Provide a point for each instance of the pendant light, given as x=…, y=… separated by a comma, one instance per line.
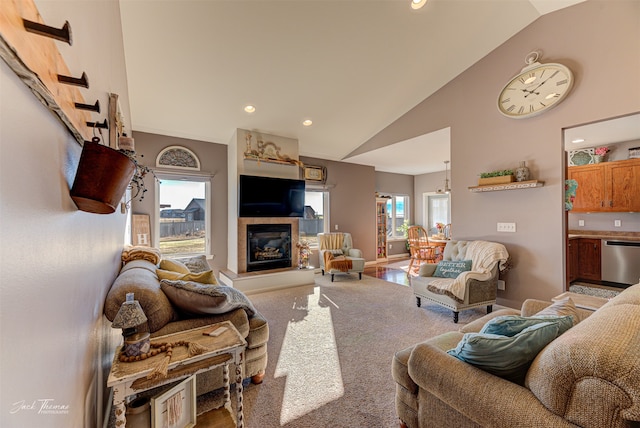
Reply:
x=446, y=189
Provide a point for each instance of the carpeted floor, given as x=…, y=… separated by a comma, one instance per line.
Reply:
x=330, y=352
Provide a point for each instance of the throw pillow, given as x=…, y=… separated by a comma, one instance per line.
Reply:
x=173, y=265
x=335, y=252
x=510, y=325
x=561, y=307
x=196, y=264
x=452, y=268
x=202, y=299
x=205, y=277
x=504, y=356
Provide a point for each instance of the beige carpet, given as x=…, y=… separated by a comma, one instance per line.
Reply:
x=330, y=352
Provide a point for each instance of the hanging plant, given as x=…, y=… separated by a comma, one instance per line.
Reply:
x=138, y=187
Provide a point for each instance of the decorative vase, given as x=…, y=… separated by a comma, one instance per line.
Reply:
x=522, y=172
x=598, y=158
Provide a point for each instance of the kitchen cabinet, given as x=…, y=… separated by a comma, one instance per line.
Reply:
x=381, y=229
x=607, y=186
x=572, y=260
x=589, y=259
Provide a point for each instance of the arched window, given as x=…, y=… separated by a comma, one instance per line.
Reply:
x=178, y=157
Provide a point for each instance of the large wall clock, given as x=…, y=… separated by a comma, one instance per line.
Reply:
x=536, y=89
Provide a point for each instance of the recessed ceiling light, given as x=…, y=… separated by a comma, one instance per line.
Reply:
x=417, y=4
x=249, y=108
x=307, y=122
x=578, y=140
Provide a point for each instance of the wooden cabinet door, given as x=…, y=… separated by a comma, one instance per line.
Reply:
x=589, y=262
x=572, y=260
x=590, y=194
x=623, y=178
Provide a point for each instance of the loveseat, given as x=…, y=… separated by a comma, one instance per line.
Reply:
x=140, y=277
x=589, y=376
x=469, y=277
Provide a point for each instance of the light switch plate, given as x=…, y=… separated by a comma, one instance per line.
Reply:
x=617, y=223
x=580, y=222
x=506, y=227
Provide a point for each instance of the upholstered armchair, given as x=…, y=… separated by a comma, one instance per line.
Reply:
x=337, y=254
x=467, y=276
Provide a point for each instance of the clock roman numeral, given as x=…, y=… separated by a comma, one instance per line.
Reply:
x=562, y=82
x=531, y=108
x=506, y=100
x=521, y=110
x=510, y=109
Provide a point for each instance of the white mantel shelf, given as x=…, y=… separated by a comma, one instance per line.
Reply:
x=530, y=184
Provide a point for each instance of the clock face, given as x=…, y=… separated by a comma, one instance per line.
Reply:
x=536, y=89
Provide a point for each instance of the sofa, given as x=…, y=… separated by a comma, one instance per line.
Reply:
x=458, y=288
x=589, y=376
x=140, y=277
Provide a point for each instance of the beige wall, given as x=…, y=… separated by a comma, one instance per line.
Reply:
x=57, y=262
x=600, y=42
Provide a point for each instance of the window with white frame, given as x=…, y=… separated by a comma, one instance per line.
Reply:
x=397, y=213
x=183, y=216
x=316, y=216
x=437, y=212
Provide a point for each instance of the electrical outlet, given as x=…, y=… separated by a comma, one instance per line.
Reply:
x=336, y=227
x=617, y=223
x=501, y=285
x=390, y=246
x=580, y=222
x=506, y=227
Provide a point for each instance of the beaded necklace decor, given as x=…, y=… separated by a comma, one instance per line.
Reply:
x=161, y=368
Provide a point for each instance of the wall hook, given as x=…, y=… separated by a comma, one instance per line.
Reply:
x=89, y=107
x=63, y=34
x=103, y=125
x=82, y=81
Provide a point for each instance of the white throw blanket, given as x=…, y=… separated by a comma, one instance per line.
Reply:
x=484, y=255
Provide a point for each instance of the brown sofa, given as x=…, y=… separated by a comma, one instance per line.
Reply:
x=589, y=376
x=139, y=277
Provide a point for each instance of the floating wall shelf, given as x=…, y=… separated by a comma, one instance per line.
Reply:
x=530, y=184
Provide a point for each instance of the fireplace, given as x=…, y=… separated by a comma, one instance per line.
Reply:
x=268, y=246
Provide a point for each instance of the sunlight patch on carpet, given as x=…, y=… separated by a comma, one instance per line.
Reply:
x=309, y=361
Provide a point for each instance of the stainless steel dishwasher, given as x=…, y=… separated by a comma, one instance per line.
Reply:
x=620, y=261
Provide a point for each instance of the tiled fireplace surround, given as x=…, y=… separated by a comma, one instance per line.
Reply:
x=242, y=238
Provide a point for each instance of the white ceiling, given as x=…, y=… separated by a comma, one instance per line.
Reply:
x=352, y=66
x=618, y=130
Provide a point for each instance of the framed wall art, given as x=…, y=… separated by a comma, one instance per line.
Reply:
x=176, y=407
x=315, y=173
x=580, y=157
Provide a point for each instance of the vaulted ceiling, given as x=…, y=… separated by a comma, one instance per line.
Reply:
x=351, y=66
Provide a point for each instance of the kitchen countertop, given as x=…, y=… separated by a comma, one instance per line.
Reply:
x=602, y=234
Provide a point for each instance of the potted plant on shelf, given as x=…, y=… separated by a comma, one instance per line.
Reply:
x=496, y=177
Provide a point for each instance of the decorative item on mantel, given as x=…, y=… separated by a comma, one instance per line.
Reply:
x=522, y=172
x=599, y=153
x=267, y=152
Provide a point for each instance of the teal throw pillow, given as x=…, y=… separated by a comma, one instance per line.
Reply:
x=452, y=268
x=510, y=325
x=504, y=356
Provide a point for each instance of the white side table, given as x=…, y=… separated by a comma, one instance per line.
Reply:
x=128, y=378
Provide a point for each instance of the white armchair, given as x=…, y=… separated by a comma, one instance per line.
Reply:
x=340, y=248
x=469, y=289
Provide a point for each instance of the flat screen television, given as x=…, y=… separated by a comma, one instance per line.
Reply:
x=270, y=197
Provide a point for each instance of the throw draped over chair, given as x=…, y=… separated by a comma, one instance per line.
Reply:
x=419, y=248
x=337, y=254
